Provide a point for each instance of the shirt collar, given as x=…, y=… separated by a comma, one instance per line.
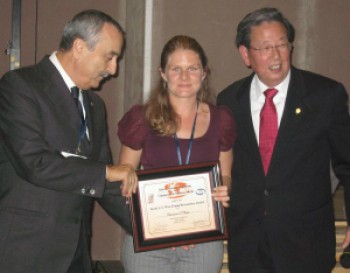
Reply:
x=258, y=87
x=68, y=81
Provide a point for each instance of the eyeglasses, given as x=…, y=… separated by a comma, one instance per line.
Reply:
x=267, y=50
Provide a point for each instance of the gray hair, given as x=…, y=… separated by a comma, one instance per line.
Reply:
x=87, y=26
x=258, y=17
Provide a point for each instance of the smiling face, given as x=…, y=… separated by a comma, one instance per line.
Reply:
x=183, y=74
x=102, y=61
x=271, y=67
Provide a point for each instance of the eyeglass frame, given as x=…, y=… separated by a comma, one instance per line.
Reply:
x=267, y=50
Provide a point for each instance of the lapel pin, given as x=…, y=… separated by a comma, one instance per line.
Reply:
x=297, y=111
x=91, y=103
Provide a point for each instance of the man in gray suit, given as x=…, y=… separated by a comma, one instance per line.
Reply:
x=54, y=153
x=281, y=212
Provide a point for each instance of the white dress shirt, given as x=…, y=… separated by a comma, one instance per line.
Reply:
x=257, y=100
x=68, y=81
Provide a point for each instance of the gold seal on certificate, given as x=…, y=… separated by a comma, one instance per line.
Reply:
x=174, y=206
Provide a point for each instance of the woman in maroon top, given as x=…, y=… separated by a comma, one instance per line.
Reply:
x=178, y=125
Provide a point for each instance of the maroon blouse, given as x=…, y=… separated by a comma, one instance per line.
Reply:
x=160, y=151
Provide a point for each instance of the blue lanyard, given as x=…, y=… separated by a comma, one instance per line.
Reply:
x=178, y=151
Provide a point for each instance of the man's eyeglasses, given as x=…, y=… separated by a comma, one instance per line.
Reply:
x=267, y=50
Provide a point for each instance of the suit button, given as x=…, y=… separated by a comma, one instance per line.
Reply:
x=266, y=193
x=83, y=190
x=92, y=191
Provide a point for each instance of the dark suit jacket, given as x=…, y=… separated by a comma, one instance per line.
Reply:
x=293, y=202
x=45, y=198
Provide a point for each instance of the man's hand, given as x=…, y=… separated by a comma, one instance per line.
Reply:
x=124, y=173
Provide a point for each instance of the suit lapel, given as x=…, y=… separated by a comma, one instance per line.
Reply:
x=243, y=114
x=60, y=96
x=292, y=114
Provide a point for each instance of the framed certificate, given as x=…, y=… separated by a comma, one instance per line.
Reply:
x=174, y=206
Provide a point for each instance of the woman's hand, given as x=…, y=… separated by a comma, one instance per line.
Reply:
x=222, y=194
x=186, y=247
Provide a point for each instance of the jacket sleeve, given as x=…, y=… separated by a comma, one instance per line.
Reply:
x=339, y=138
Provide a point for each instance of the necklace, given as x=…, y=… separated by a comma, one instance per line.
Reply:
x=178, y=151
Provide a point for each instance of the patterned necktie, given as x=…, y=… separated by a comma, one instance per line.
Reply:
x=268, y=128
x=84, y=146
x=75, y=94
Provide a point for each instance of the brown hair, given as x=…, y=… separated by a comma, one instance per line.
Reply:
x=159, y=113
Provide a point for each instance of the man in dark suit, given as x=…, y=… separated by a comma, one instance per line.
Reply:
x=281, y=212
x=54, y=153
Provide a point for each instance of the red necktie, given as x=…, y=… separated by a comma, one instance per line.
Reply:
x=268, y=128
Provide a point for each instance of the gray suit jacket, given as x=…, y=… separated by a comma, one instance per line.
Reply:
x=294, y=200
x=46, y=199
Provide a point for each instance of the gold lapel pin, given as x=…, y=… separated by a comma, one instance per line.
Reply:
x=297, y=111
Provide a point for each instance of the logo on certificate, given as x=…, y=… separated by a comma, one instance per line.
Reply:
x=177, y=189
